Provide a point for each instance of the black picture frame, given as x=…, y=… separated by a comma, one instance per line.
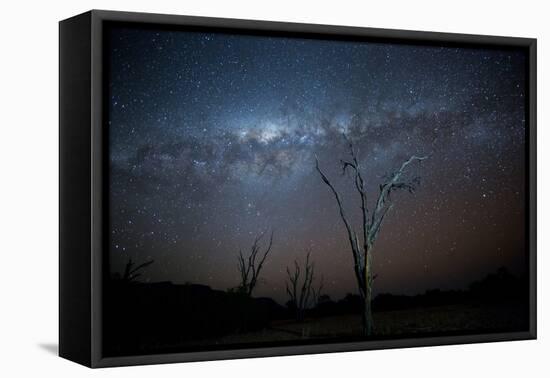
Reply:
x=84, y=165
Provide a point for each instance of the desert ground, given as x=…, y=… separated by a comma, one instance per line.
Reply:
x=420, y=322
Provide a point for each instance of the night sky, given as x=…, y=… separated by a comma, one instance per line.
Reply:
x=213, y=140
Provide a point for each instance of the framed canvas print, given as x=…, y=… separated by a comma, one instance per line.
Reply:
x=234, y=188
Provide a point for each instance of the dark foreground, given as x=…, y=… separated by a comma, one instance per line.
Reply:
x=407, y=323
x=154, y=318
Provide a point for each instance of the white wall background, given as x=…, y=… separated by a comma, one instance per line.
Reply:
x=28, y=189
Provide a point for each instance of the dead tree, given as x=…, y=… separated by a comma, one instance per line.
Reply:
x=362, y=247
x=299, y=296
x=317, y=292
x=249, y=268
x=131, y=273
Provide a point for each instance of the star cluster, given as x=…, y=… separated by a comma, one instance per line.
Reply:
x=213, y=139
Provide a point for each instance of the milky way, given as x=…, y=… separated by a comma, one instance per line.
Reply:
x=213, y=139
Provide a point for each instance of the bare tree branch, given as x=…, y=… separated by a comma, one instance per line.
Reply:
x=300, y=295
x=370, y=225
x=131, y=273
x=316, y=293
x=382, y=203
x=248, y=268
x=352, y=236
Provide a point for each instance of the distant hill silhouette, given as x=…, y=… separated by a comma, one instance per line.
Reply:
x=136, y=314
x=500, y=287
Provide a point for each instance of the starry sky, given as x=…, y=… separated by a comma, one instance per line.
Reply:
x=213, y=138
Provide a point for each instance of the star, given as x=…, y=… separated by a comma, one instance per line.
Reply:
x=213, y=139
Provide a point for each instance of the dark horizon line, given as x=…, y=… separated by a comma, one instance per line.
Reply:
x=463, y=289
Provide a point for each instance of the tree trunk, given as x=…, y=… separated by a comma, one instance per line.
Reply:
x=362, y=258
x=367, y=316
x=367, y=305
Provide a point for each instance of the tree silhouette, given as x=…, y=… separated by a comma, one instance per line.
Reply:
x=248, y=268
x=370, y=226
x=131, y=273
x=299, y=296
x=317, y=293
